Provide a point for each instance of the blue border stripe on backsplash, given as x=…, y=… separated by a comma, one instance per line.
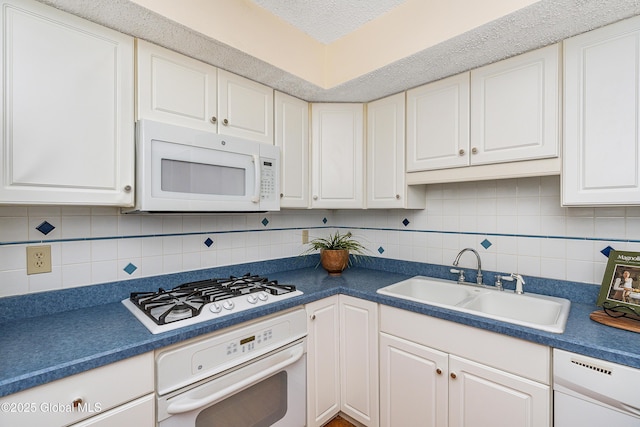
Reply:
x=196, y=233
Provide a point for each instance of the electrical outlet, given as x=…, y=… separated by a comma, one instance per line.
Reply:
x=305, y=236
x=38, y=259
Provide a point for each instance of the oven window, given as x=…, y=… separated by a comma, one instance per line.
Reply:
x=260, y=405
x=199, y=178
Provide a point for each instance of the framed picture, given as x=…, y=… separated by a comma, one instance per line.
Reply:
x=620, y=290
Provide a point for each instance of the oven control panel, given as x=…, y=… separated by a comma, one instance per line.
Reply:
x=249, y=343
x=185, y=363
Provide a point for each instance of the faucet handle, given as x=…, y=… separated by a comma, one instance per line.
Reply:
x=460, y=273
x=519, y=281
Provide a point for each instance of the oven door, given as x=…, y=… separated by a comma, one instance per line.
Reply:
x=269, y=391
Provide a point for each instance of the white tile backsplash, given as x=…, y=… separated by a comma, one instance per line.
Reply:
x=528, y=230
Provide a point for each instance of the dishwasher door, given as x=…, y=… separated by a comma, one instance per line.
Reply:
x=592, y=392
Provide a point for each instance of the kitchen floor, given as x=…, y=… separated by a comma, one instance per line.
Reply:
x=339, y=422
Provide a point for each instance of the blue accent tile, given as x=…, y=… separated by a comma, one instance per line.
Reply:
x=486, y=244
x=406, y=222
x=325, y=220
x=130, y=268
x=380, y=250
x=265, y=221
x=45, y=228
x=208, y=242
x=606, y=251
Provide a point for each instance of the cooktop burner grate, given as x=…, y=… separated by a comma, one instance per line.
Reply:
x=187, y=300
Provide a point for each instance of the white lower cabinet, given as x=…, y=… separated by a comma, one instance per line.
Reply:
x=117, y=394
x=342, y=362
x=439, y=373
x=413, y=384
x=323, y=361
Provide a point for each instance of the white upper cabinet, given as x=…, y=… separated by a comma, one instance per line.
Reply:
x=438, y=124
x=67, y=115
x=245, y=108
x=601, y=159
x=386, y=187
x=515, y=108
x=173, y=88
x=292, y=136
x=337, y=159
x=176, y=89
x=498, y=121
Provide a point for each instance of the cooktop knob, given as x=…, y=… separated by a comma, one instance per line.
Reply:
x=215, y=308
x=228, y=304
x=263, y=296
x=252, y=299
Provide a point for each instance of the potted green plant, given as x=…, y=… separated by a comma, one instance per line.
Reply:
x=335, y=251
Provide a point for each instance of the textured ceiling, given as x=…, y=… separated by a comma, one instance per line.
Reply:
x=328, y=20
x=541, y=24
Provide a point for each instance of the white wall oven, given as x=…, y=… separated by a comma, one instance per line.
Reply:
x=253, y=375
x=180, y=169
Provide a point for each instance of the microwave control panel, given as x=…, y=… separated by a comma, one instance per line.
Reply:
x=268, y=186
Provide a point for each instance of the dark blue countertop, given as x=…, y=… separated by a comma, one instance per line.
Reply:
x=36, y=349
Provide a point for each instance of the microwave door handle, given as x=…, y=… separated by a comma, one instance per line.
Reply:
x=256, y=187
x=187, y=405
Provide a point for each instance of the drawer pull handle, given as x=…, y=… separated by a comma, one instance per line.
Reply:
x=77, y=402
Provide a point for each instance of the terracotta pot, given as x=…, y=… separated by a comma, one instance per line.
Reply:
x=334, y=260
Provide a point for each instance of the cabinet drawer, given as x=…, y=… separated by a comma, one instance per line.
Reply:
x=100, y=389
x=506, y=353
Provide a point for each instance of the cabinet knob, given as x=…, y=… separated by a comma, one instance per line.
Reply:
x=397, y=197
x=76, y=402
x=281, y=195
x=225, y=122
x=127, y=188
x=461, y=152
x=315, y=197
x=439, y=371
x=453, y=375
x=214, y=119
x=313, y=317
x=474, y=150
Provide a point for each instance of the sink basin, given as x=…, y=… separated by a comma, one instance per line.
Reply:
x=531, y=310
x=432, y=291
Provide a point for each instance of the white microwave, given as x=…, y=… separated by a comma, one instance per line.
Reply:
x=180, y=169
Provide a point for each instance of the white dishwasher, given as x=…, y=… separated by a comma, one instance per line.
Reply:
x=592, y=392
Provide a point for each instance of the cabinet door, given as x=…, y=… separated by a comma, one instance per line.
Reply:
x=359, y=359
x=245, y=108
x=95, y=392
x=601, y=158
x=292, y=136
x=140, y=412
x=515, y=108
x=337, y=157
x=323, y=361
x=413, y=384
x=481, y=396
x=173, y=88
x=386, y=184
x=438, y=124
x=67, y=117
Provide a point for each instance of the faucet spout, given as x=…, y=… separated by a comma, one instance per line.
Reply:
x=479, y=273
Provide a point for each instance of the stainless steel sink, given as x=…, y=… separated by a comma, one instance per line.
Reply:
x=532, y=310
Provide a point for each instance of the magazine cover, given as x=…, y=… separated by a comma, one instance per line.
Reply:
x=620, y=290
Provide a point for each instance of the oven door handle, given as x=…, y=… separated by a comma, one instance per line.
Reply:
x=187, y=405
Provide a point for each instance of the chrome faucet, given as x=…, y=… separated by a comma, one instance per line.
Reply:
x=479, y=273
